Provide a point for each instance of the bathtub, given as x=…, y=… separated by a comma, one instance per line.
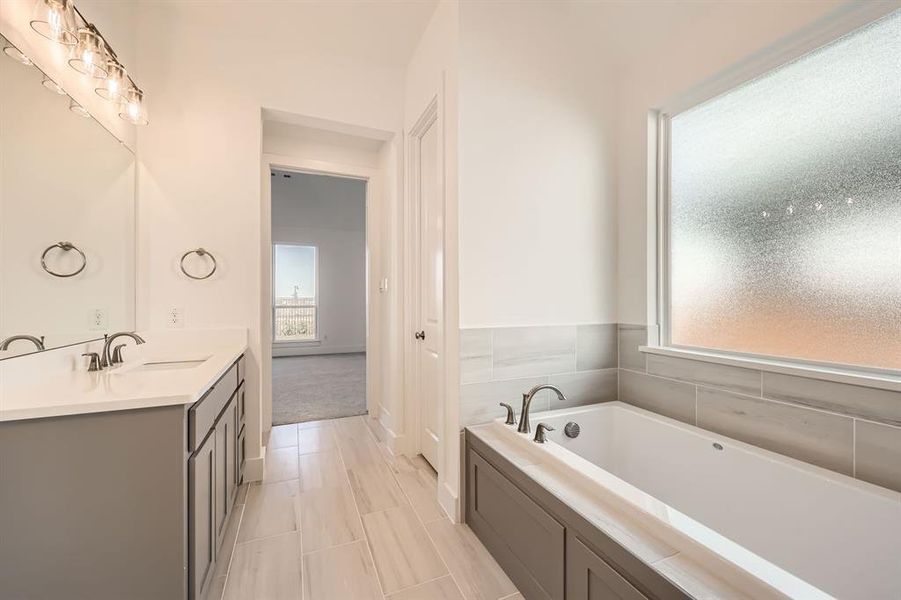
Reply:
x=808, y=532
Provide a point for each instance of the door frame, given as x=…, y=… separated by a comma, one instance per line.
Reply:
x=372, y=257
x=430, y=116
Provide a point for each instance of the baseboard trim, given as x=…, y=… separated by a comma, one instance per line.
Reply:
x=281, y=352
x=254, y=468
x=450, y=502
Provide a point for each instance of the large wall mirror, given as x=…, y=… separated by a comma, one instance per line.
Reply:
x=67, y=218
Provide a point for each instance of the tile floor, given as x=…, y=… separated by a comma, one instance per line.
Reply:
x=337, y=517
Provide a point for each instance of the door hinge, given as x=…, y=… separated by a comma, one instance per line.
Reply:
x=419, y=335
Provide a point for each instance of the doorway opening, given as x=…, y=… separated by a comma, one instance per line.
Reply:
x=318, y=296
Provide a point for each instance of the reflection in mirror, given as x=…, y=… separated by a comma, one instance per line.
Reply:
x=67, y=202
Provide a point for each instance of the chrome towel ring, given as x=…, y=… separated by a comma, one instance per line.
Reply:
x=65, y=247
x=198, y=252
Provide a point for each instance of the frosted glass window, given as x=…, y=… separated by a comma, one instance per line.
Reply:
x=785, y=209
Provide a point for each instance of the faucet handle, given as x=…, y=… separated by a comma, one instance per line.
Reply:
x=95, y=361
x=540, y=432
x=511, y=420
x=117, y=354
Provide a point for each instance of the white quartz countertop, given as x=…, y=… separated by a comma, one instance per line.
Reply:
x=75, y=391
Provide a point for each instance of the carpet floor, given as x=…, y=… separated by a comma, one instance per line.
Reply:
x=310, y=388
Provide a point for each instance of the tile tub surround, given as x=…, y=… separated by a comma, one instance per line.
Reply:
x=499, y=364
x=850, y=429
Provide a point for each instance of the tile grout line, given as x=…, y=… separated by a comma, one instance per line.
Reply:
x=353, y=494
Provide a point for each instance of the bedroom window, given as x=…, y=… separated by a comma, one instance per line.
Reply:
x=781, y=209
x=294, y=294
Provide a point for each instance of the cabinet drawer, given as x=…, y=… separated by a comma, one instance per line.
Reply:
x=240, y=364
x=526, y=541
x=589, y=577
x=203, y=414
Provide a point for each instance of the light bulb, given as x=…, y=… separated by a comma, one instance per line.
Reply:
x=78, y=109
x=818, y=206
x=16, y=54
x=55, y=20
x=790, y=210
x=115, y=84
x=133, y=108
x=89, y=56
x=53, y=86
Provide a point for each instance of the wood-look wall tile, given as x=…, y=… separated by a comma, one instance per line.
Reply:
x=443, y=588
x=340, y=572
x=474, y=569
x=403, y=554
x=810, y=435
x=596, y=347
x=629, y=338
x=735, y=379
x=475, y=355
x=328, y=517
x=854, y=400
x=878, y=454
x=271, y=509
x=533, y=351
x=268, y=568
x=670, y=398
x=479, y=401
x=584, y=387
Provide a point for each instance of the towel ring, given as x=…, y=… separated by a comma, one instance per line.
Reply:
x=198, y=252
x=65, y=247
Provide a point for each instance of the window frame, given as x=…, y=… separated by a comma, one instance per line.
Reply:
x=316, y=340
x=659, y=341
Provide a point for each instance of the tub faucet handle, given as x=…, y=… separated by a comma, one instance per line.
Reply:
x=95, y=361
x=511, y=419
x=540, y=432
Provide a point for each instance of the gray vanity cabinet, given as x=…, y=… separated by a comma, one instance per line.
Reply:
x=589, y=577
x=202, y=514
x=226, y=442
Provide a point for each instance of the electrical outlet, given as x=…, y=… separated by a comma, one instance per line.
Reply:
x=383, y=285
x=175, y=318
x=98, y=319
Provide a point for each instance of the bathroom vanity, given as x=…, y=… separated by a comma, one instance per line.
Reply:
x=124, y=486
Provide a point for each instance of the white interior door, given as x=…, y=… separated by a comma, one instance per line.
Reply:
x=430, y=293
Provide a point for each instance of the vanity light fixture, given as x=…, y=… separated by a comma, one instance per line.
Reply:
x=132, y=109
x=55, y=20
x=17, y=55
x=116, y=83
x=78, y=109
x=53, y=86
x=89, y=57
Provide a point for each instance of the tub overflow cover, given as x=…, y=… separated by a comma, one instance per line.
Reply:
x=572, y=429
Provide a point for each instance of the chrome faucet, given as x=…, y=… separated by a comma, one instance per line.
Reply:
x=527, y=400
x=39, y=342
x=105, y=360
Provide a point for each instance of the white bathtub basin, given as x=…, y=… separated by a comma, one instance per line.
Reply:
x=806, y=531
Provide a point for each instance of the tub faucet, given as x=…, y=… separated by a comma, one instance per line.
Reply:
x=527, y=400
x=105, y=360
x=38, y=342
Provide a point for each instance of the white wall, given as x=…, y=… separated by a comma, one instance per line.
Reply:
x=329, y=213
x=211, y=72
x=665, y=67
x=537, y=207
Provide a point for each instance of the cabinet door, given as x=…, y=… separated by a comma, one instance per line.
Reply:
x=231, y=453
x=223, y=432
x=525, y=540
x=589, y=577
x=242, y=456
x=201, y=515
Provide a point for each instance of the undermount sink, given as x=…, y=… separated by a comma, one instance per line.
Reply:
x=170, y=365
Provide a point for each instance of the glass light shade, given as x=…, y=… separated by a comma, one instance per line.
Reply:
x=133, y=109
x=55, y=20
x=53, y=86
x=115, y=86
x=78, y=109
x=16, y=54
x=89, y=56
